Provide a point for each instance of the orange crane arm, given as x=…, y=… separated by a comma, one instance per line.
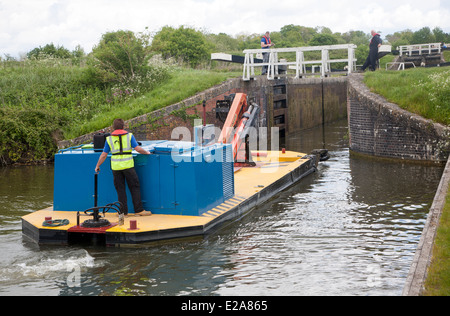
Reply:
x=238, y=107
x=235, y=129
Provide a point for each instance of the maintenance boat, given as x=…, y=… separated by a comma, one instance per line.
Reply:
x=190, y=187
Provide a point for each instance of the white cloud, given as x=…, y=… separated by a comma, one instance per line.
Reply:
x=25, y=24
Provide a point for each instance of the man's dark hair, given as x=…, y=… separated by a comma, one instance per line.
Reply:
x=118, y=124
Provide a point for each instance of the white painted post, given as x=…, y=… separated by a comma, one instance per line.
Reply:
x=252, y=65
x=275, y=58
x=246, y=74
x=299, y=63
x=325, y=58
x=270, y=68
x=350, y=56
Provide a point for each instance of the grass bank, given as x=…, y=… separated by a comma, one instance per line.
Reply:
x=438, y=279
x=424, y=91
x=43, y=101
x=182, y=84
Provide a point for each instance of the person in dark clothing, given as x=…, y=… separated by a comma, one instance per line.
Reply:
x=371, y=60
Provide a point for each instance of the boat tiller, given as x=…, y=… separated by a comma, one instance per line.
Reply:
x=97, y=220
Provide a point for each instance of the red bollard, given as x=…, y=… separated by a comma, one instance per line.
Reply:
x=133, y=225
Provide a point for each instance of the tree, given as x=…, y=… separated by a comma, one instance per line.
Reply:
x=291, y=36
x=323, y=39
x=78, y=52
x=223, y=42
x=423, y=36
x=324, y=30
x=440, y=35
x=356, y=37
x=120, y=56
x=49, y=50
x=400, y=38
x=252, y=41
x=183, y=43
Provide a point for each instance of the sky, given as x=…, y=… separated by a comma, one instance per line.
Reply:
x=26, y=24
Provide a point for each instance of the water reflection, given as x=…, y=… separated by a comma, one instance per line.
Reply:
x=337, y=233
x=18, y=184
x=349, y=229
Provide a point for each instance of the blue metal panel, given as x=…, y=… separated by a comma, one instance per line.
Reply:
x=209, y=179
x=74, y=182
x=147, y=168
x=167, y=184
x=228, y=173
x=185, y=187
x=186, y=181
x=173, y=147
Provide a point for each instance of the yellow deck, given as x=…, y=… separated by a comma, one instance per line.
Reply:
x=248, y=182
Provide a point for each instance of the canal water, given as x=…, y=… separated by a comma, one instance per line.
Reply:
x=349, y=229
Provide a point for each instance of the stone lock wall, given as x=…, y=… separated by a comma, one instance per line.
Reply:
x=380, y=128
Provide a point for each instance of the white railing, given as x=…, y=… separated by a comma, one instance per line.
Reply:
x=401, y=64
x=420, y=49
x=299, y=65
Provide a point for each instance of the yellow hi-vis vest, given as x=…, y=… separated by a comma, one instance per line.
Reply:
x=121, y=151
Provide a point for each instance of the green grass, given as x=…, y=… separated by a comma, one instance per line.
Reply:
x=387, y=59
x=182, y=84
x=438, y=280
x=424, y=91
x=44, y=101
x=447, y=55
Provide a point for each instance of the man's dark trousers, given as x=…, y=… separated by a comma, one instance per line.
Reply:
x=373, y=53
x=371, y=60
x=132, y=180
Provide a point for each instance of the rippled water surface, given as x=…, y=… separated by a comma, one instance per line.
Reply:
x=349, y=229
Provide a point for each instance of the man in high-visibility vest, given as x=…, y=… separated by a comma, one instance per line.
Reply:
x=121, y=144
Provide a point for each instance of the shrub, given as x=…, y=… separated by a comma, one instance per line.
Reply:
x=183, y=43
x=120, y=57
x=28, y=135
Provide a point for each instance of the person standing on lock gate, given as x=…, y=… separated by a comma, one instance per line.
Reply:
x=371, y=60
x=266, y=43
x=121, y=144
